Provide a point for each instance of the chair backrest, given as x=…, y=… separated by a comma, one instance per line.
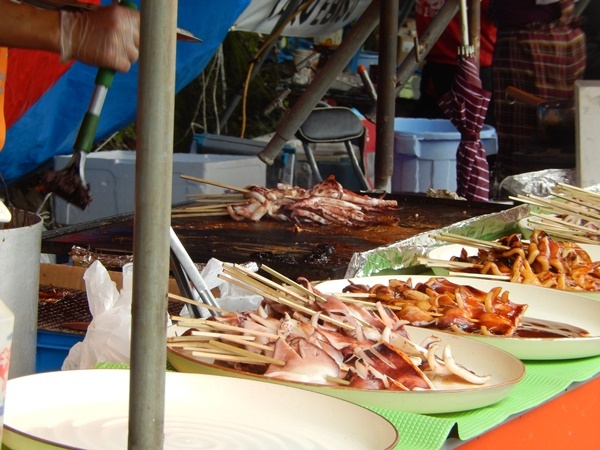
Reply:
x=331, y=124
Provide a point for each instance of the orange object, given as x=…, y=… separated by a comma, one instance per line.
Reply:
x=567, y=421
x=3, y=64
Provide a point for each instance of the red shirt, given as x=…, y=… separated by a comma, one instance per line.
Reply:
x=445, y=49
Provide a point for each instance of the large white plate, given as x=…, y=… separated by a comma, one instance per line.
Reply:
x=446, y=252
x=89, y=409
x=505, y=370
x=543, y=304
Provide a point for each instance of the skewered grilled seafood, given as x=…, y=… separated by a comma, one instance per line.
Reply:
x=326, y=203
x=542, y=261
x=361, y=348
x=442, y=304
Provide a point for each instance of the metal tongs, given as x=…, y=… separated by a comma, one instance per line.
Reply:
x=188, y=278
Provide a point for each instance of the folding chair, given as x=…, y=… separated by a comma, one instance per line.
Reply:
x=332, y=125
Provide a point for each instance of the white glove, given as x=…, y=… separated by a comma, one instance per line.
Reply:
x=105, y=37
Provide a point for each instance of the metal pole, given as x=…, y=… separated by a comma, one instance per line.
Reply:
x=296, y=116
x=386, y=95
x=152, y=220
x=474, y=13
x=426, y=41
x=421, y=48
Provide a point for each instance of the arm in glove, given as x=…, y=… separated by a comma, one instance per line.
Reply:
x=105, y=37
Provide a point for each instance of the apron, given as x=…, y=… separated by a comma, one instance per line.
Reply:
x=544, y=59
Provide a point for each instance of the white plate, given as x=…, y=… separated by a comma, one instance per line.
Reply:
x=446, y=252
x=505, y=370
x=543, y=304
x=89, y=409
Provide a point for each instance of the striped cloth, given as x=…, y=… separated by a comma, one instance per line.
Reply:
x=466, y=105
x=543, y=59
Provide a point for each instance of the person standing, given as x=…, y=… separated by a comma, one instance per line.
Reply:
x=541, y=49
x=440, y=65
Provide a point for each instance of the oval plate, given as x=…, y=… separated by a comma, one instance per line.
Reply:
x=505, y=370
x=543, y=303
x=89, y=409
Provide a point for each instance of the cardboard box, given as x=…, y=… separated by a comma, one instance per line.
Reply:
x=71, y=277
x=53, y=347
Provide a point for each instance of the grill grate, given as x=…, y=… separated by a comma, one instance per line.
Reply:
x=59, y=306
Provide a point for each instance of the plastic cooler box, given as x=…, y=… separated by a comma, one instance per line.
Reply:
x=52, y=348
x=111, y=176
x=425, y=153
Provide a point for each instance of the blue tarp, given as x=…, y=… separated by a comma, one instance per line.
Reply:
x=50, y=126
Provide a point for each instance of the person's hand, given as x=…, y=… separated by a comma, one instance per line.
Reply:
x=106, y=37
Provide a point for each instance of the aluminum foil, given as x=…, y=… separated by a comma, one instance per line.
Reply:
x=538, y=183
x=404, y=254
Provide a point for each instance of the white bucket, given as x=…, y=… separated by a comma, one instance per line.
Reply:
x=7, y=324
x=20, y=252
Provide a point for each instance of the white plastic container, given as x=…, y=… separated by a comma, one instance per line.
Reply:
x=111, y=176
x=20, y=252
x=7, y=324
x=425, y=153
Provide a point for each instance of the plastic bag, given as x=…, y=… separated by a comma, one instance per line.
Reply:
x=231, y=297
x=108, y=338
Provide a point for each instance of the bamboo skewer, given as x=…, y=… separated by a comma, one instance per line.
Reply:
x=561, y=223
x=181, y=299
x=274, y=286
x=241, y=352
x=445, y=264
x=578, y=192
x=344, y=295
x=479, y=243
x=573, y=237
x=480, y=275
x=197, y=335
x=370, y=305
x=267, y=292
x=194, y=323
x=200, y=214
x=559, y=207
x=292, y=283
x=229, y=357
x=208, y=198
x=584, y=203
x=222, y=206
x=214, y=353
x=296, y=306
x=214, y=183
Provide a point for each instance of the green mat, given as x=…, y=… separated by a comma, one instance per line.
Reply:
x=543, y=381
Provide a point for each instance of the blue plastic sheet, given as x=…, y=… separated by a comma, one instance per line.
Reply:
x=50, y=126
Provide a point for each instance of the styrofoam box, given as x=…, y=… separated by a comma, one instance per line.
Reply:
x=425, y=153
x=111, y=176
